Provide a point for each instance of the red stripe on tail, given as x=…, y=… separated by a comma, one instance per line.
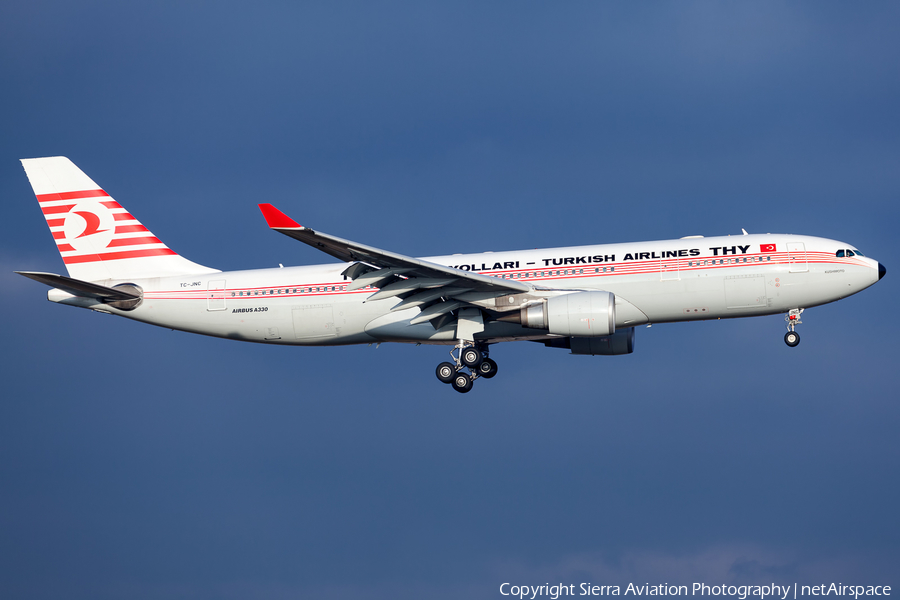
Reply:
x=53, y=210
x=130, y=228
x=135, y=241
x=71, y=195
x=118, y=255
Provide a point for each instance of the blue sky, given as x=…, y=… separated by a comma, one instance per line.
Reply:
x=141, y=462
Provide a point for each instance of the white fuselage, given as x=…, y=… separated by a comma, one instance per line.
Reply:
x=653, y=282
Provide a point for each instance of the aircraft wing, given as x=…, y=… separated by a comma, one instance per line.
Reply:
x=418, y=282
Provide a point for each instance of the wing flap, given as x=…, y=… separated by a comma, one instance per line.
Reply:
x=427, y=296
x=435, y=310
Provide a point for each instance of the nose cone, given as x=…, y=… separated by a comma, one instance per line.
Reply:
x=881, y=271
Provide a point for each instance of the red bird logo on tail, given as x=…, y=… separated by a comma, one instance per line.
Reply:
x=93, y=223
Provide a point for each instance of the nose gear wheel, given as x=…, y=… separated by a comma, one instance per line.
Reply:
x=792, y=338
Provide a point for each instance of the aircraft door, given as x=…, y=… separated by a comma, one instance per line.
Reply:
x=668, y=269
x=215, y=296
x=797, y=257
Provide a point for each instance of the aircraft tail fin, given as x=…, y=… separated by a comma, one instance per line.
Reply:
x=97, y=238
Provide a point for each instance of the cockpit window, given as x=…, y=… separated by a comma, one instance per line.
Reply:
x=848, y=252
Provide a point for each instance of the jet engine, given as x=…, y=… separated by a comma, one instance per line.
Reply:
x=581, y=314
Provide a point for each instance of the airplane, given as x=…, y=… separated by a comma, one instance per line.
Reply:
x=588, y=299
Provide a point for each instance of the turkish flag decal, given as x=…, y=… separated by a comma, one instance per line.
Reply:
x=767, y=247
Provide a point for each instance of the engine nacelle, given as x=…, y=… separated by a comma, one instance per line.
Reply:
x=621, y=342
x=579, y=314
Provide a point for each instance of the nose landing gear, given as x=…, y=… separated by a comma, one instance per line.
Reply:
x=792, y=338
x=472, y=357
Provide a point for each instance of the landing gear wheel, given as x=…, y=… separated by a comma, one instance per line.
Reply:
x=462, y=383
x=471, y=357
x=445, y=372
x=487, y=368
x=792, y=338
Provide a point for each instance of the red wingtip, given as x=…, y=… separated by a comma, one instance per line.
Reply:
x=277, y=219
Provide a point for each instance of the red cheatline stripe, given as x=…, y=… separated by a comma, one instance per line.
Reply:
x=52, y=210
x=130, y=228
x=71, y=195
x=118, y=255
x=65, y=248
x=123, y=217
x=56, y=222
x=111, y=204
x=135, y=241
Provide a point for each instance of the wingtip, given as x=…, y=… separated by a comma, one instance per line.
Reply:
x=277, y=219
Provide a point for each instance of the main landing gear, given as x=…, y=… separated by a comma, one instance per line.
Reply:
x=792, y=338
x=474, y=358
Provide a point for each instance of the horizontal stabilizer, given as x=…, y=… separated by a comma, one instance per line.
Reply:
x=76, y=287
